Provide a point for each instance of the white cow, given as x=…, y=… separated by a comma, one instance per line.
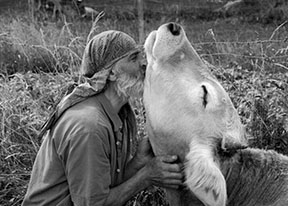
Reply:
x=190, y=114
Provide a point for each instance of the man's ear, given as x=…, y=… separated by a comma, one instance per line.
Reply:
x=112, y=76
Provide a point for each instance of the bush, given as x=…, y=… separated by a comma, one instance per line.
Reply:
x=29, y=47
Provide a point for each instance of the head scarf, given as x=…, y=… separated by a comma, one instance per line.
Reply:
x=104, y=50
x=100, y=54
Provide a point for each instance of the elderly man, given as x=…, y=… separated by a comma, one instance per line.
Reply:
x=85, y=158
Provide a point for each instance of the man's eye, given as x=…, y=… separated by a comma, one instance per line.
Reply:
x=133, y=57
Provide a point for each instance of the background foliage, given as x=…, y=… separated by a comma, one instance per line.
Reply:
x=39, y=60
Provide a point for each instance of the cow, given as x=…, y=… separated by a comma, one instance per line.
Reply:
x=188, y=113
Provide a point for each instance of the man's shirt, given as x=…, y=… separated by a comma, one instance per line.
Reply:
x=83, y=156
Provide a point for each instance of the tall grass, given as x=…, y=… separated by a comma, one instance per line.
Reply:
x=255, y=75
x=26, y=101
x=40, y=60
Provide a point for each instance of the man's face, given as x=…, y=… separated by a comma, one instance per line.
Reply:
x=133, y=64
x=130, y=75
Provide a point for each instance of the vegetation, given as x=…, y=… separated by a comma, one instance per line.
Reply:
x=40, y=60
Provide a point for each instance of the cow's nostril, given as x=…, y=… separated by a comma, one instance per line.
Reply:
x=174, y=29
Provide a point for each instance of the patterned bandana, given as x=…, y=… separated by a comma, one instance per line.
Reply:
x=105, y=49
x=100, y=54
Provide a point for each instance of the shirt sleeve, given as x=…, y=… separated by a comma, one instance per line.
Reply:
x=87, y=167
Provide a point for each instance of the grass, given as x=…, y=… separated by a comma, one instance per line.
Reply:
x=40, y=60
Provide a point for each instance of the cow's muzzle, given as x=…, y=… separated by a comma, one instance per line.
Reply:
x=174, y=28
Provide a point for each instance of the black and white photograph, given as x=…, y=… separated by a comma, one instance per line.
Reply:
x=143, y=102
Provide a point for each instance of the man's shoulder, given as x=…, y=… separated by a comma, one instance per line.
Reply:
x=89, y=108
x=88, y=114
x=86, y=121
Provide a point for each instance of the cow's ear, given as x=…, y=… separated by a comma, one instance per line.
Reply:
x=203, y=176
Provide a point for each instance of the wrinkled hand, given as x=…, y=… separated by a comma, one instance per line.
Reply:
x=144, y=152
x=164, y=172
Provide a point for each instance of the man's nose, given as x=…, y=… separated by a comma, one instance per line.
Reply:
x=144, y=63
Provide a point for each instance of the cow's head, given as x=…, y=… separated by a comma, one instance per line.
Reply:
x=171, y=55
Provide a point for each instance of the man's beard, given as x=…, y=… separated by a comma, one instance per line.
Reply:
x=128, y=86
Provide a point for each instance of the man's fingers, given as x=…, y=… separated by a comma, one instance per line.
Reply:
x=173, y=176
x=169, y=158
x=172, y=183
x=173, y=167
x=172, y=186
x=177, y=176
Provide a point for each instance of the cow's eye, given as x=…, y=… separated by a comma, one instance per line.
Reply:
x=204, y=98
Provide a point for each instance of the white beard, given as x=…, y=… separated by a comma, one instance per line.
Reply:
x=128, y=86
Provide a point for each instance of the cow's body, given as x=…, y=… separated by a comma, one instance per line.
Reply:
x=256, y=178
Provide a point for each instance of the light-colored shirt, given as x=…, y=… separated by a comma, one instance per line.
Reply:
x=82, y=156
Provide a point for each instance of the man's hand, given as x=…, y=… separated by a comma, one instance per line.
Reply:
x=144, y=152
x=143, y=155
x=164, y=172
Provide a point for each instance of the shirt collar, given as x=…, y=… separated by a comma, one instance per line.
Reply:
x=110, y=111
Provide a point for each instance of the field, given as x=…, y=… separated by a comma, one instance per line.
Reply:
x=39, y=61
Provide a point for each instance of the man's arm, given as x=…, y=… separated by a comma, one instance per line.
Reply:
x=143, y=155
x=123, y=192
x=88, y=171
x=159, y=171
x=143, y=171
